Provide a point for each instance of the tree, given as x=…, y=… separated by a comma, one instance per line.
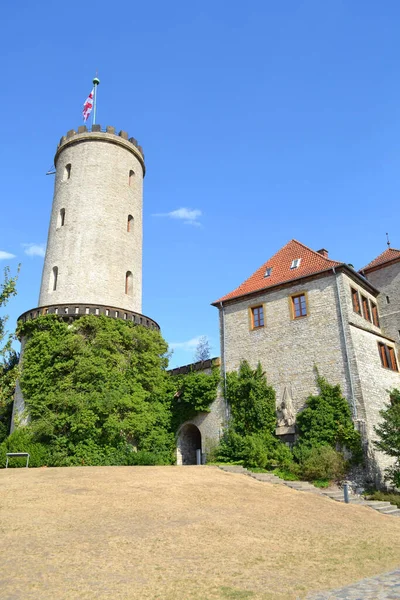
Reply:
x=8, y=289
x=8, y=357
x=203, y=350
x=388, y=432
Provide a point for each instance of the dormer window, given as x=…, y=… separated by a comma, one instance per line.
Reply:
x=268, y=272
x=295, y=263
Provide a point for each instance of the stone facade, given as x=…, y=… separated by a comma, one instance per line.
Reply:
x=342, y=344
x=204, y=431
x=387, y=279
x=89, y=244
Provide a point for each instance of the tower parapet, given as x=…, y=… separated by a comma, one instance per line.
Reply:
x=84, y=134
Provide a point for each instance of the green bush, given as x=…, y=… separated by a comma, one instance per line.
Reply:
x=326, y=420
x=22, y=440
x=231, y=447
x=262, y=450
x=145, y=458
x=289, y=474
x=393, y=497
x=322, y=462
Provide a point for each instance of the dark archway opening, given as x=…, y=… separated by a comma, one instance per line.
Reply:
x=189, y=441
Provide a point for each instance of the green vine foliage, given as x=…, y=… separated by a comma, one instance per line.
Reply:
x=96, y=390
x=326, y=420
x=250, y=437
x=251, y=400
x=191, y=394
x=388, y=432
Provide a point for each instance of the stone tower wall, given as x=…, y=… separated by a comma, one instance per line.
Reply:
x=387, y=280
x=91, y=246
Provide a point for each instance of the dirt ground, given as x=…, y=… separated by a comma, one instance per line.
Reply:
x=179, y=533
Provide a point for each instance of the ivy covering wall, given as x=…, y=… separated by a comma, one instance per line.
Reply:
x=98, y=392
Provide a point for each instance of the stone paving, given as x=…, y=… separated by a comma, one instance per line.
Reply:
x=382, y=587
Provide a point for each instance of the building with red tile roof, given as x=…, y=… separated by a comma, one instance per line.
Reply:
x=292, y=262
x=301, y=310
x=390, y=255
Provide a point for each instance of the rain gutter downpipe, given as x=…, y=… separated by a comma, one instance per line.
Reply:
x=352, y=399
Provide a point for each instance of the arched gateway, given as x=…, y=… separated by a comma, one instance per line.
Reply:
x=189, y=441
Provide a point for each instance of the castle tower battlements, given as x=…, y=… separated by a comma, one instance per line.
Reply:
x=94, y=246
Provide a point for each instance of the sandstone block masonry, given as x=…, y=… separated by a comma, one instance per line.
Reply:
x=94, y=248
x=387, y=279
x=335, y=335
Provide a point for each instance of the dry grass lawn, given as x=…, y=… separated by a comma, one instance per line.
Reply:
x=179, y=533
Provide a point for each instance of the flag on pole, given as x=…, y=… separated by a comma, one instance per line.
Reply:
x=87, y=107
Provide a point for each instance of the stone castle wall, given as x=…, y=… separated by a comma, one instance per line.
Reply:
x=210, y=424
x=342, y=344
x=287, y=348
x=387, y=280
x=93, y=249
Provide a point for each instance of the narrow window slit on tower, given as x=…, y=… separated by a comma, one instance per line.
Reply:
x=128, y=283
x=54, y=278
x=62, y=217
x=131, y=177
x=130, y=223
x=67, y=172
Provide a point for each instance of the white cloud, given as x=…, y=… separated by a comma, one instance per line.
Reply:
x=188, y=346
x=5, y=255
x=34, y=249
x=188, y=215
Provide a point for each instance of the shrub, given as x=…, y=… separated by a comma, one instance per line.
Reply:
x=322, y=462
x=261, y=450
x=21, y=440
x=145, y=458
x=231, y=446
x=326, y=421
x=393, y=497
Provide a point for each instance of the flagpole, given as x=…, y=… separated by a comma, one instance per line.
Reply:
x=96, y=82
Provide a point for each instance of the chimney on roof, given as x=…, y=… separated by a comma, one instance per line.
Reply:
x=323, y=252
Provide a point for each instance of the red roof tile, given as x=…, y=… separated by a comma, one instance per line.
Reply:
x=387, y=256
x=311, y=263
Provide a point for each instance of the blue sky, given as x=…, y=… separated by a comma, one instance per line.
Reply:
x=269, y=120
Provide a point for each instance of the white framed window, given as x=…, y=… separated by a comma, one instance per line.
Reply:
x=295, y=263
x=268, y=272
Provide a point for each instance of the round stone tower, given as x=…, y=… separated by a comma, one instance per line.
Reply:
x=94, y=247
x=93, y=262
